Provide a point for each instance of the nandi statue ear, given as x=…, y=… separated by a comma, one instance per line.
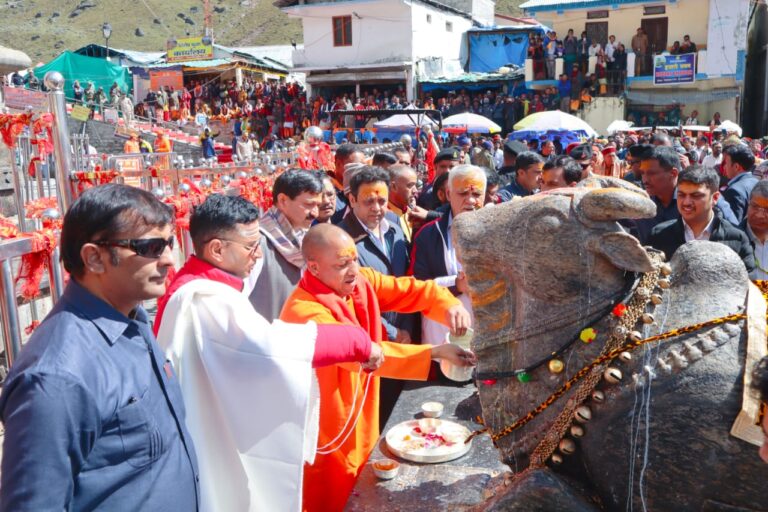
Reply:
x=623, y=251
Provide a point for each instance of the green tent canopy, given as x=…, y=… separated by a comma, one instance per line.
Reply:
x=86, y=69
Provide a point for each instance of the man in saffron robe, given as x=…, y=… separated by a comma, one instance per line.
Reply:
x=334, y=289
x=248, y=384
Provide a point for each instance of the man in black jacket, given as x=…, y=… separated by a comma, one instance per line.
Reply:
x=697, y=193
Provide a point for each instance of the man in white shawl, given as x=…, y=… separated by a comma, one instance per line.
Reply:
x=248, y=385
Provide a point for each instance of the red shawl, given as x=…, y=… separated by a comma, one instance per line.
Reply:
x=194, y=268
x=366, y=305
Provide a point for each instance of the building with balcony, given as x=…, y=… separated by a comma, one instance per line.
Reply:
x=353, y=46
x=718, y=29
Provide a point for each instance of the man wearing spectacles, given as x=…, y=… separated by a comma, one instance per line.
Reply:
x=583, y=155
x=756, y=227
x=248, y=384
x=93, y=413
x=635, y=155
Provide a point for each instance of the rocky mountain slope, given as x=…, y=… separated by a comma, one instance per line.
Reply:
x=44, y=28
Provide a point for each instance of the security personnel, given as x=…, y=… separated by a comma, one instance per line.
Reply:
x=445, y=160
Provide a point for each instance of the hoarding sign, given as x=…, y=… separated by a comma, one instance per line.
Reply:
x=674, y=69
x=190, y=48
x=81, y=113
x=19, y=98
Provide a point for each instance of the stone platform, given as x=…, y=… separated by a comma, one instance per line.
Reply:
x=455, y=485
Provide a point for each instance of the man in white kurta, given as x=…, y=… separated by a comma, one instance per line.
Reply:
x=248, y=385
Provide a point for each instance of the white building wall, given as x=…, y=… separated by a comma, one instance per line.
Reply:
x=431, y=37
x=602, y=111
x=484, y=11
x=380, y=33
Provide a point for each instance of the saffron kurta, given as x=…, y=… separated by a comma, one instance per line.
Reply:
x=329, y=481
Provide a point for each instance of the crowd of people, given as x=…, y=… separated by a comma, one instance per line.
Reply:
x=271, y=111
x=355, y=266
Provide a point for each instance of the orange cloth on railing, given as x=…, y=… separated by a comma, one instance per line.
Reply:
x=35, y=262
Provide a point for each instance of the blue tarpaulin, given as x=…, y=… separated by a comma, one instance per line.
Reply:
x=489, y=52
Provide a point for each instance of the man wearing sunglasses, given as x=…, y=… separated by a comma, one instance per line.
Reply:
x=583, y=155
x=248, y=384
x=93, y=413
x=635, y=156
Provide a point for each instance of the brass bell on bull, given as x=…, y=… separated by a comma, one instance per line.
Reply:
x=556, y=459
x=612, y=375
x=567, y=446
x=656, y=299
x=577, y=431
x=582, y=414
x=635, y=336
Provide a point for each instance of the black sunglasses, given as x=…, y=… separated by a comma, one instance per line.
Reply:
x=145, y=247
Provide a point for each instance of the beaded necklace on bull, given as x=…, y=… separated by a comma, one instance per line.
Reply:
x=622, y=340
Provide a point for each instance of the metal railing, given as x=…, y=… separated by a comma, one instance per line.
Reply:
x=60, y=175
x=9, y=304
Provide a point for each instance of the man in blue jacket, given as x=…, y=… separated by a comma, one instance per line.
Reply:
x=433, y=255
x=381, y=243
x=92, y=410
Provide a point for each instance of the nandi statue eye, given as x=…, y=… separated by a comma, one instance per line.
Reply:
x=549, y=222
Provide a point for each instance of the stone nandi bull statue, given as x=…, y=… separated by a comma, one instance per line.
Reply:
x=647, y=430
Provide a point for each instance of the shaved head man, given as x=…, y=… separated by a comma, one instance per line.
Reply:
x=331, y=256
x=336, y=290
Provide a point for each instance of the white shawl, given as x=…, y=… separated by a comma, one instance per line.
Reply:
x=250, y=394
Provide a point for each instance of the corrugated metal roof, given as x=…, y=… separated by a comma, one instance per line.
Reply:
x=255, y=58
x=476, y=77
x=141, y=57
x=552, y=5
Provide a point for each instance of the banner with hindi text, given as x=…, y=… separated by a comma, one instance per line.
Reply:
x=189, y=48
x=674, y=69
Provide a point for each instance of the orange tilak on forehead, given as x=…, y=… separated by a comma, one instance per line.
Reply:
x=469, y=182
x=646, y=165
x=349, y=251
x=760, y=201
x=369, y=190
